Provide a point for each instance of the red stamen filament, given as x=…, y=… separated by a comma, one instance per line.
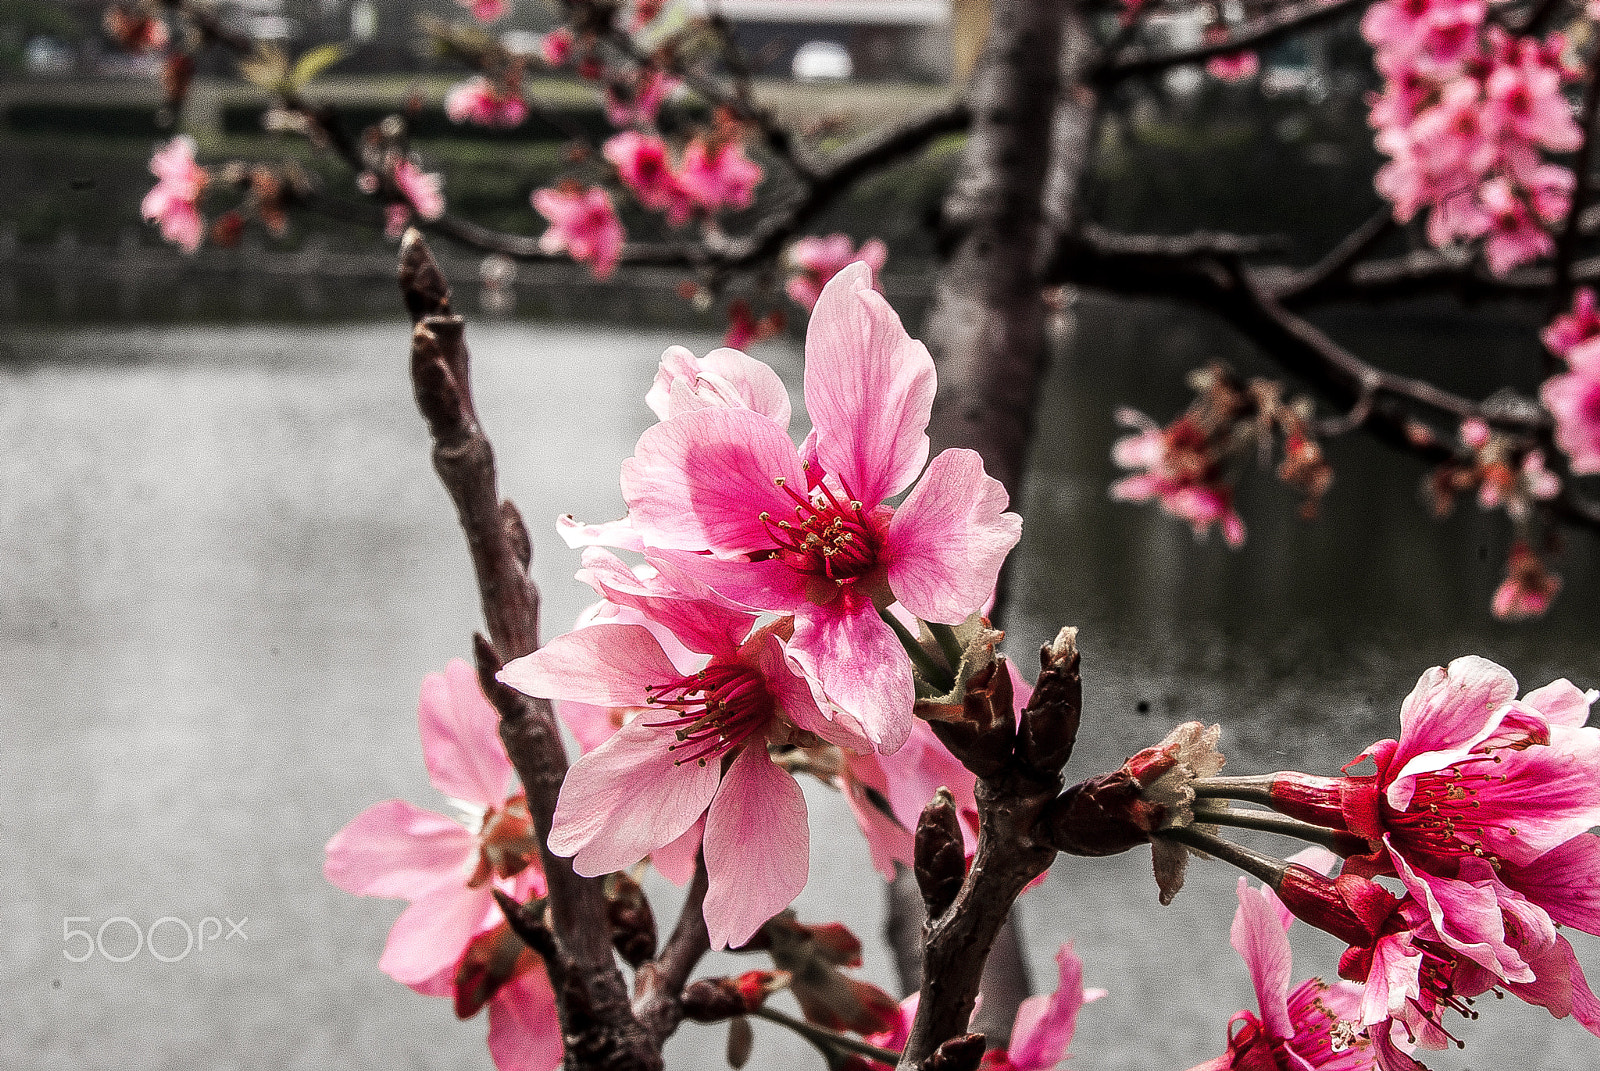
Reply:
x=1440, y=819
x=719, y=708
x=827, y=538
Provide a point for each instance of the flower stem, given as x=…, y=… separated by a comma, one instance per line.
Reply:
x=948, y=643
x=931, y=670
x=1332, y=839
x=1265, y=867
x=826, y=1039
x=1257, y=789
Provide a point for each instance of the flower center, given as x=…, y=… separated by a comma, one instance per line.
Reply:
x=718, y=708
x=506, y=843
x=1441, y=818
x=827, y=538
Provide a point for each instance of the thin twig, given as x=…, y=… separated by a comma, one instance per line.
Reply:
x=658, y=987
x=828, y=1040
x=1254, y=33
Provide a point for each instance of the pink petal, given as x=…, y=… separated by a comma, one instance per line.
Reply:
x=676, y=861
x=627, y=798
x=619, y=533
x=1565, y=881
x=757, y=846
x=888, y=842
x=1467, y=917
x=769, y=585
x=948, y=540
x=855, y=655
x=1562, y=703
x=592, y=725
x=398, y=850
x=1045, y=1024
x=796, y=702
x=433, y=932
x=461, y=737
x=1443, y=712
x=1543, y=796
x=1258, y=936
x=524, y=1033
x=605, y=665
x=700, y=481
x=869, y=389
x=686, y=611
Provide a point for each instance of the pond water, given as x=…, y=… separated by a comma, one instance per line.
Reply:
x=227, y=565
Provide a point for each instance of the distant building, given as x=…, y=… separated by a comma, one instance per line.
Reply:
x=882, y=39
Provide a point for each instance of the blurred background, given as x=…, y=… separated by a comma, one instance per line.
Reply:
x=225, y=564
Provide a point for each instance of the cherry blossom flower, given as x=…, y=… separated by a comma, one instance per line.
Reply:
x=449, y=873
x=556, y=47
x=173, y=201
x=724, y=378
x=720, y=175
x=1298, y=1029
x=1179, y=472
x=820, y=259
x=1571, y=328
x=1528, y=589
x=1045, y=1024
x=696, y=752
x=422, y=190
x=584, y=224
x=640, y=98
x=1573, y=399
x=643, y=165
x=486, y=10
x=1515, y=235
x=724, y=496
x=481, y=102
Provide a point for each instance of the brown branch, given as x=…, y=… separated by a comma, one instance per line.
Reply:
x=658, y=987
x=1339, y=261
x=1285, y=21
x=597, y=1023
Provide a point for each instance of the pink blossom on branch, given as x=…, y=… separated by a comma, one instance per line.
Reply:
x=636, y=100
x=422, y=190
x=645, y=168
x=173, y=202
x=449, y=873
x=1573, y=397
x=1178, y=472
x=696, y=752
x=1579, y=325
x=820, y=259
x=584, y=224
x=1299, y=1028
x=724, y=496
x=1528, y=589
x=487, y=10
x=1231, y=66
x=482, y=103
x=556, y=47
x=719, y=175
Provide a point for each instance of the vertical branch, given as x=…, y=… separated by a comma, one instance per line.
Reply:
x=598, y=1027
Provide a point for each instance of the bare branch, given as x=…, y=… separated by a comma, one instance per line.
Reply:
x=658, y=987
x=599, y=1027
x=1283, y=22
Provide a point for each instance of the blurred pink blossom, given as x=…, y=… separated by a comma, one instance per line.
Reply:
x=584, y=224
x=479, y=101
x=820, y=259
x=645, y=168
x=173, y=202
x=424, y=190
x=720, y=175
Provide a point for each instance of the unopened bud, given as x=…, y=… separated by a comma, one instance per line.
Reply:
x=984, y=736
x=1049, y=724
x=940, y=854
x=711, y=1000
x=633, y=925
x=961, y=1053
x=1351, y=908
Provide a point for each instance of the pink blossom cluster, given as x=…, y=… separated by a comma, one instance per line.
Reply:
x=710, y=178
x=1573, y=397
x=1481, y=810
x=1230, y=66
x=1304, y=1028
x=757, y=635
x=816, y=260
x=452, y=941
x=1465, y=113
x=174, y=202
x=1180, y=470
x=483, y=103
x=487, y=10
x=583, y=224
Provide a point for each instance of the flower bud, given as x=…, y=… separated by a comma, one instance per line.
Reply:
x=1049, y=723
x=940, y=854
x=982, y=737
x=711, y=1000
x=1351, y=908
x=961, y=1053
x=633, y=925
